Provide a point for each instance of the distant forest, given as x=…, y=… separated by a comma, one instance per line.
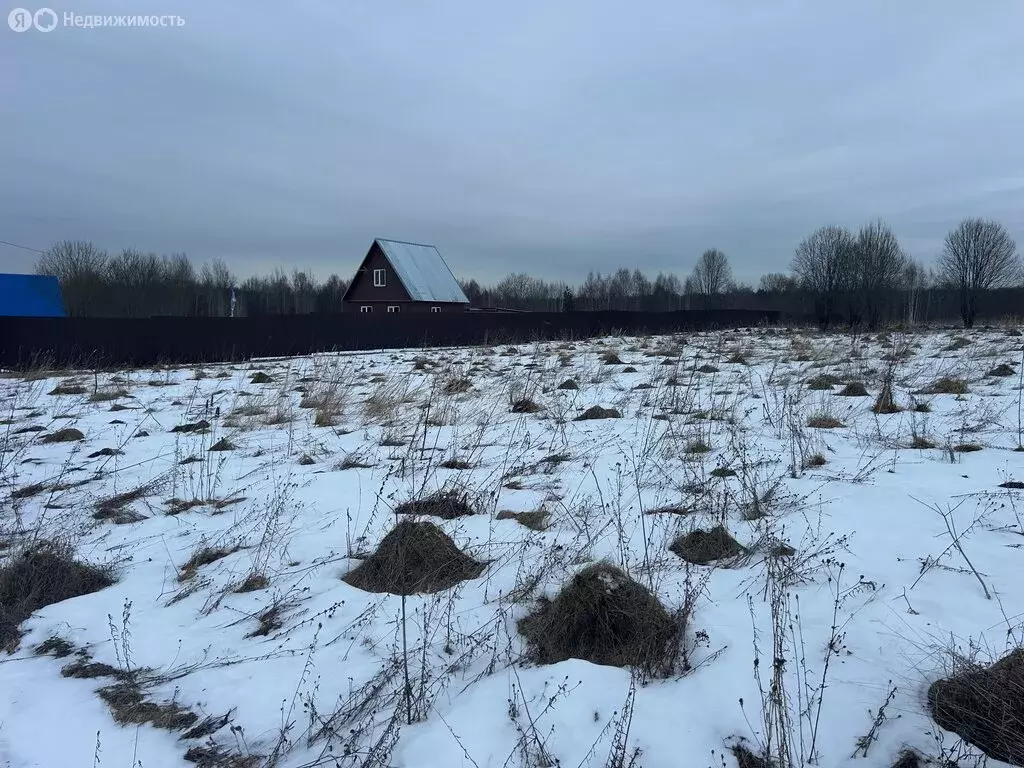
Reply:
x=836, y=277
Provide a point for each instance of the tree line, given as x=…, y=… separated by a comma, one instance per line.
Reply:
x=836, y=277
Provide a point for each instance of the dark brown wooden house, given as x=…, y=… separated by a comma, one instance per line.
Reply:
x=404, y=277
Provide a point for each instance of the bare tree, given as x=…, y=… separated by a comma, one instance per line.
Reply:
x=778, y=282
x=80, y=267
x=875, y=267
x=819, y=262
x=712, y=276
x=977, y=256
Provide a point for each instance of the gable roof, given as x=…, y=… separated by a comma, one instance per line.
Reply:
x=422, y=271
x=30, y=296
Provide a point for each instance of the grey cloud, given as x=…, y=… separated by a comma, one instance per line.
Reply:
x=553, y=138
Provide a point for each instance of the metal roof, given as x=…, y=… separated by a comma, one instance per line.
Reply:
x=423, y=272
x=30, y=296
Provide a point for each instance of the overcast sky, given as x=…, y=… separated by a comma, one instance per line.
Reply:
x=548, y=136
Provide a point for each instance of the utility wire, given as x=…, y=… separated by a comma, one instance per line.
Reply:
x=23, y=247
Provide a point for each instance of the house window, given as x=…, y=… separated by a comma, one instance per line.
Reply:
x=366, y=308
x=380, y=278
x=394, y=308
x=435, y=309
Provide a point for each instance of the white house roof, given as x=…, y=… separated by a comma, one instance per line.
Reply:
x=423, y=272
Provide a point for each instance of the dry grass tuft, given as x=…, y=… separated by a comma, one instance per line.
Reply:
x=597, y=412
x=456, y=385
x=203, y=556
x=414, y=558
x=352, y=461
x=260, y=378
x=68, y=388
x=957, y=343
x=747, y=759
x=116, y=508
x=824, y=422
x=535, y=520
x=815, y=460
x=568, y=384
x=66, y=435
x=129, y=707
x=198, y=427
x=984, y=706
x=525, y=405
x=605, y=617
x=853, y=389
x=823, y=381
x=703, y=547
x=885, y=403
x=28, y=491
x=447, y=505
x=706, y=368
x=40, y=576
x=1002, y=370
x=696, y=447
x=254, y=582
x=107, y=395
x=54, y=646
x=946, y=386
x=968, y=448
x=222, y=445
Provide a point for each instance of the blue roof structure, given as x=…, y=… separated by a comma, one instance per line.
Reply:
x=423, y=272
x=30, y=296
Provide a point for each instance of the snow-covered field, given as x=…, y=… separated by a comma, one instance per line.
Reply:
x=904, y=547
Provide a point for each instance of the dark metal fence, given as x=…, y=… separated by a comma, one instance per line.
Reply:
x=108, y=342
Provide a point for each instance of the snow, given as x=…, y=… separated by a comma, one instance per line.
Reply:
x=874, y=554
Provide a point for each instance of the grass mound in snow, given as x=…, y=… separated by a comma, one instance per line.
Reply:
x=605, y=617
x=526, y=405
x=985, y=706
x=597, y=412
x=823, y=382
x=703, y=547
x=415, y=557
x=1002, y=370
x=41, y=576
x=195, y=427
x=853, y=389
x=66, y=435
x=447, y=505
x=945, y=386
x=536, y=520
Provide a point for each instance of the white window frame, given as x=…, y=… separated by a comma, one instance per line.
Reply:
x=380, y=278
x=394, y=308
x=366, y=308
x=435, y=309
